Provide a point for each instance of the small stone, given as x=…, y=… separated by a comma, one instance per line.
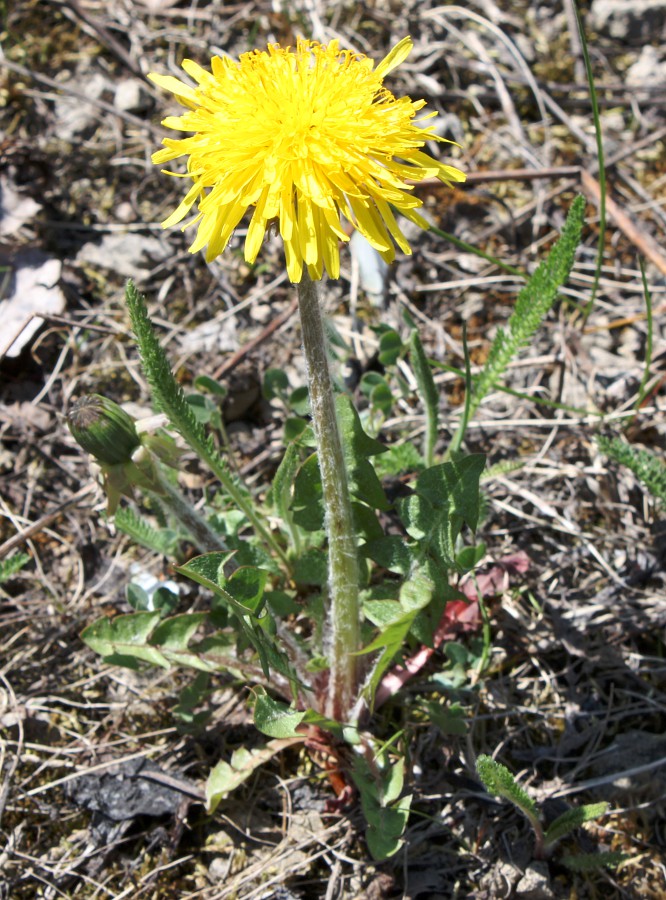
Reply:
x=129, y=255
x=649, y=69
x=131, y=96
x=262, y=313
x=32, y=290
x=74, y=116
x=630, y=20
x=126, y=213
x=535, y=883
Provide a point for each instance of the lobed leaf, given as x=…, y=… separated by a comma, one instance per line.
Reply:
x=126, y=636
x=387, y=815
x=227, y=776
x=275, y=719
x=358, y=447
x=445, y=496
x=390, y=552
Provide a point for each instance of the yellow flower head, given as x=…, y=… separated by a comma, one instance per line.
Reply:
x=300, y=138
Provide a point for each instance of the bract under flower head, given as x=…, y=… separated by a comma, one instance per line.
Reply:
x=300, y=138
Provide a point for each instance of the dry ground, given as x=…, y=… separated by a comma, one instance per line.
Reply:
x=574, y=696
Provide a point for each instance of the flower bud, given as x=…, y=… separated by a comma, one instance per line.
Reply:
x=103, y=429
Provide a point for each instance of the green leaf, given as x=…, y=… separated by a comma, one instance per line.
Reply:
x=391, y=637
x=163, y=541
x=276, y=385
x=126, y=636
x=311, y=568
x=416, y=593
x=208, y=571
x=449, y=719
x=210, y=386
x=358, y=447
x=445, y=497
x=383, y=612
x=499, y=780
x=282, y=603
x=227, y=776
x=273, y=718
x=533, y=303
x=428, y=393
x=176, y=632
x=390, y=348
x=400, y=458
x=307, y=505
x=470, y=557
x=189, y=698
x=149, y=638
x=167, y=394
x=298, y=430
x=299, y=401
x=377, y=390
x=455, y=483
x=137, y=598
x=573, y=818
x=246, y=586
x=228, y=523
x=391, y=553
x=379, y=788
x=9, y=567
x=203, y=408
x=161, y=599
x=366, y=523
x=591, y=862
x=390, y=641
x=283, y=482
x=650, y=469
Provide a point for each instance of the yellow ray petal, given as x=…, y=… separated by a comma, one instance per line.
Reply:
x=394, y=57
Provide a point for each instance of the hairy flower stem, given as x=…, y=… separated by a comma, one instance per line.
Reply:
x=343, y=619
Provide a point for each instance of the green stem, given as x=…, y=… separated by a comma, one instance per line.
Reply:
x=457, y=440
x=343, y=624
x=429, y=395
x=601, y=174
x=204, y=538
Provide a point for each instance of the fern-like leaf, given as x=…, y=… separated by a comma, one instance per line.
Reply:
x=592, y=862
x=140, y=530
x=170, y=399
x=533, y=303
x=167, y=394
x=498, y=780
x=9, y=567
x=645, y=465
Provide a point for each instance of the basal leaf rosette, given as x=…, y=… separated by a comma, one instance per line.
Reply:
x=301, y=139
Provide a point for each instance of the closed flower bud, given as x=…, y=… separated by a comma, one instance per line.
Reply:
x=103, y=429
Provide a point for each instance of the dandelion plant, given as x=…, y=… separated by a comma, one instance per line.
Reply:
x=304, y=137
x=313, y=600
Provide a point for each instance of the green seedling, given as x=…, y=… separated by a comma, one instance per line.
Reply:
x=499, y=781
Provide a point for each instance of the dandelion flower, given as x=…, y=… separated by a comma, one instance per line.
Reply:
x=300, y=139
